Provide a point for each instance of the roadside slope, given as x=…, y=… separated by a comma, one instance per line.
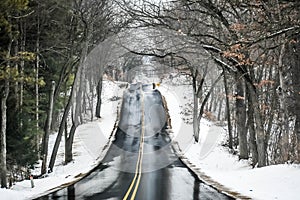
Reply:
x=216, y=166
x=91, y=142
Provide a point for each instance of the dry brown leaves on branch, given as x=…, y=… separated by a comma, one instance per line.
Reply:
x=264, y=82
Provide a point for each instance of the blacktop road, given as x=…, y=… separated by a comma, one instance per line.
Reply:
x=140, y=163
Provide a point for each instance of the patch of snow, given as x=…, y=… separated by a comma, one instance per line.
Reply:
x=8, y=194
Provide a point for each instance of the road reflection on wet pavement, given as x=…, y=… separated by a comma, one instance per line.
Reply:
x=140, y=163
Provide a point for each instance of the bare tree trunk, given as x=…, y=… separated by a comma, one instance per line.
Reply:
x=297, y=133
x=260, y=133
x=205, y=100
x=76, y=119
x=16, y=84
x=99, y=98
x=196, y=124
x=91, y=98
x=229, y=125
x=37, y=136
x=283, y=116
x=4, y=96
x=63, y=123
x=47, y=130
x=212, y=101
x=198, y=114
x=297, y=98
x=252, y=136
x=22, y=65
x=69, y=144
x=220, y=108
x=241, y=119
x=3, y=134
x=77, y=115
x=78, y=89
x=261, y=145
x=293, y=58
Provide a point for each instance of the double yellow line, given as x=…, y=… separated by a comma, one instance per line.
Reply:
x=138, y=169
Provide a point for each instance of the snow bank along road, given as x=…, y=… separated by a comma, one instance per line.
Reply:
x=140, y=163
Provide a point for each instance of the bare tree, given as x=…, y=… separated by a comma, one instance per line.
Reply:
x=242, y=37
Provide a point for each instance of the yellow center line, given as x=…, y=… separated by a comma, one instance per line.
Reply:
x=141, y=162
x=134, y=178
x=138, y=169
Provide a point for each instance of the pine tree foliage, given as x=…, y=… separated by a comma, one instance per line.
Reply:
x=42, y=42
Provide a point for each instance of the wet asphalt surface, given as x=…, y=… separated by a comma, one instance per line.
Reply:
x=140, y=163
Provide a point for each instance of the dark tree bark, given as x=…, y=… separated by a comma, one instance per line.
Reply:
x=241, y=118
x=69, y=143
x=197, y=93
x=37, y=68
x=196, y=124
x=4, y=92
x=99, y=98
x=229, y=125
x=259, y=128
x=297, y=133
x=293, y=58
x=252, y=136
x=3, y=166
x=283, y=111
x=76, y=115
x=47, y=130
x=220, y=103
x=62, y=124
x=204, y=102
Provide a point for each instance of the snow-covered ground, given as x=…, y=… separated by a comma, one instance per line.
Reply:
x=214, y=160
x=90, y=139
